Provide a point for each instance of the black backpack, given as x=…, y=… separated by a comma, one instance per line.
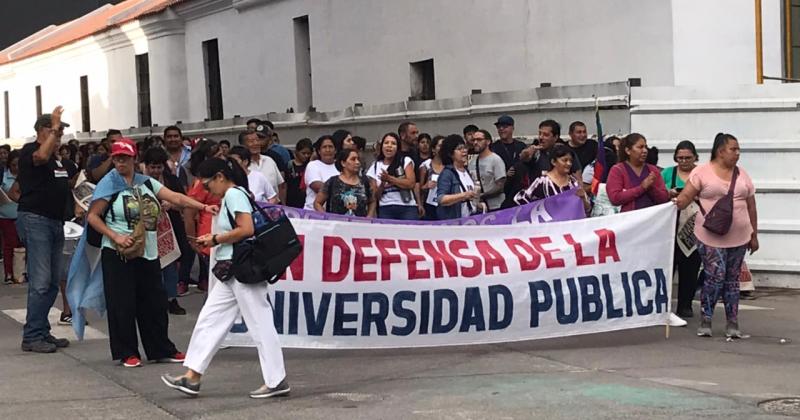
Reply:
x=95, y=238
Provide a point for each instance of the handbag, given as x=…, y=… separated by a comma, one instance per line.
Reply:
x=719, y=219
x=272, y=248
x=136, y=249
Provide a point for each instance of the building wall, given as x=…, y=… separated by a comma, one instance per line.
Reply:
x=361, y=49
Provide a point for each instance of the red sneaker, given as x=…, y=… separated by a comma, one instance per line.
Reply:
x=183, y=289
x=131, y=362
x=178, y=357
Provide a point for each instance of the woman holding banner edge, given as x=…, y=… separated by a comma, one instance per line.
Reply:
x=722, y=253
x=635, y=184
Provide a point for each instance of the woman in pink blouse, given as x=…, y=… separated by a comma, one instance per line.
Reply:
x=633, y=183
x=722, y=254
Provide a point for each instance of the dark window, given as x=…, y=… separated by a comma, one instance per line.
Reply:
x=213, y=79
x=7, y=114
x=143, y=89
x=38, y=101
x=85, y=120
x=423, y=84
x=302, y=59
x=793, y=39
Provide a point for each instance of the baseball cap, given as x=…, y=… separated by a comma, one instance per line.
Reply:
x=504, y=120
x=263, y=130
x=125, y=147
x=46, y=120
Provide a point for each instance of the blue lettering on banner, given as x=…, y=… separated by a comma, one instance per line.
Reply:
x=377, y=318
x=611, y=311
x=439, y=297
x=591, y=302
x=402, y=312
x=586, y=299
x=561, y=315
x=495, y=293
x=473, y=311
x=340, y=317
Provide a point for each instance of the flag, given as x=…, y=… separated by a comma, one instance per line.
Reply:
x=600, y=159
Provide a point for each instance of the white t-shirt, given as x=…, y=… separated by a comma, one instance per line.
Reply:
x=317, y=170
x=469, y=185
x=260, y=187
x=391, y=194
x=431, y=198
x=270, y=170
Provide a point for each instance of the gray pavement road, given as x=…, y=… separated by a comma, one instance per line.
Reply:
x=629, y=374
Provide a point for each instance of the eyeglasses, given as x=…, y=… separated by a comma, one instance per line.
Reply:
x=461, y=147
x=206, y=183
x=684, y=158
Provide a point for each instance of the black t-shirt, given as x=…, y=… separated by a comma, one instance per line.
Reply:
x=295, y=185
x=42, y=185
x=414, y=155
x=586, y=153
x=508, y=152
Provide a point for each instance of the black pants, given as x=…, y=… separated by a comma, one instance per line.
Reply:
x=135, y=295
x=688, y=271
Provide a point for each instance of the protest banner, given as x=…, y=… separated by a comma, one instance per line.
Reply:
x=365, y=286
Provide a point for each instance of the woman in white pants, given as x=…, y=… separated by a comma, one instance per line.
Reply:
x=224, y=178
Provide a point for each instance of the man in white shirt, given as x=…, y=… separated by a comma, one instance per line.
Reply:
x=264, y=164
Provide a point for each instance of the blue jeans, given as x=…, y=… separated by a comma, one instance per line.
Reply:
x=398, y=212
x=43, y=239
x=169, y=278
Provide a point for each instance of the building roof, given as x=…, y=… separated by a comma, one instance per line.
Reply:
x=100, y=20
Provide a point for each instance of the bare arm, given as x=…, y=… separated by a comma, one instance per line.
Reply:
x=753, y=213
x=42, y=155
x=405, y=183
x=320, y=200
x=243, y=230
x=686, y=196
x=94, y=218
x=282, y=193
x=14, y=192
x=180, y=200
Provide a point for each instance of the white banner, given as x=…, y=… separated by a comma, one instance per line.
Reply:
x=384, y=286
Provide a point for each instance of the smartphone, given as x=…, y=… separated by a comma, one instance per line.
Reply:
x=679, y=190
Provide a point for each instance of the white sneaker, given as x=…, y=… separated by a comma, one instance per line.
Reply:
x=676, y=321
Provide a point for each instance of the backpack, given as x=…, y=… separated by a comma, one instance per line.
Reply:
x=272, y=248
x=95, y=238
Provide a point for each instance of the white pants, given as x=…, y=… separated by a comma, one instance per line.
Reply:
x=225, y=301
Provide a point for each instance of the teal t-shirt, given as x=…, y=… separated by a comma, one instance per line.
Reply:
x=126, y=214
x=235, y=201
x=666, y=173
x=8, y=210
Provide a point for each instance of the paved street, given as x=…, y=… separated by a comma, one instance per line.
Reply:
x=630, y=374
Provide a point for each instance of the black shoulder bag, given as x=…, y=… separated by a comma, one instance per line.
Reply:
x=266, y=255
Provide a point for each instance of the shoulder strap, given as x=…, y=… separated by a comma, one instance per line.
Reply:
x=328, y=187
x=733, y=180
x=111, y=206
x=674, y=174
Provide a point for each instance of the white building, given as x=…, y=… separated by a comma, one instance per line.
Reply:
x=154, y=62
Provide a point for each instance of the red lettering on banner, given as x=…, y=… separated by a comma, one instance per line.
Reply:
x=387, y=258
x=414, y=273
x=472, y=271
x=361, y=260
x=528, y=258
x=579, y=257
x=441, y=259
x=296, y=268
x=549, y=260
x=491, y=257
x=608, y=245
x=328, y=243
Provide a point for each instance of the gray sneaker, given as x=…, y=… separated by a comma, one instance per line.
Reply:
x=267, y=392
x=182, y=384
x=705, y=328
x=58, y=342
x=40, y=346
x=732, y=330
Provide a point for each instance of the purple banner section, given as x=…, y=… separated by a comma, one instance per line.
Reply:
x=558, y=208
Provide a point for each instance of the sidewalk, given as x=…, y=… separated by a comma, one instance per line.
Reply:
x=628, y=374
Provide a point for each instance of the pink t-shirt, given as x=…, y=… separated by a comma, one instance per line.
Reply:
x=712, y=188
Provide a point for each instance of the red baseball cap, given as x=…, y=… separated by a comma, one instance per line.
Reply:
x=124, y=146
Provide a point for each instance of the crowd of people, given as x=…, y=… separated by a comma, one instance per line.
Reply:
x=404, y=175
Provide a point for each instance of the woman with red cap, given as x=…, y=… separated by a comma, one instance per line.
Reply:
x=134, y=294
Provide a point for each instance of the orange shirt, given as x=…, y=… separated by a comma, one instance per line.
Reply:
x=199, y=193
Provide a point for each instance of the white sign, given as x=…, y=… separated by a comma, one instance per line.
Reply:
x=384, y=286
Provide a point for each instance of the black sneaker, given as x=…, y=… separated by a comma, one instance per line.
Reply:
x=9, y=280
x=282, y=389
x=65, y=319
x=181, y=384
x=175, y=308
x=40, y=346
x=58, y=342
